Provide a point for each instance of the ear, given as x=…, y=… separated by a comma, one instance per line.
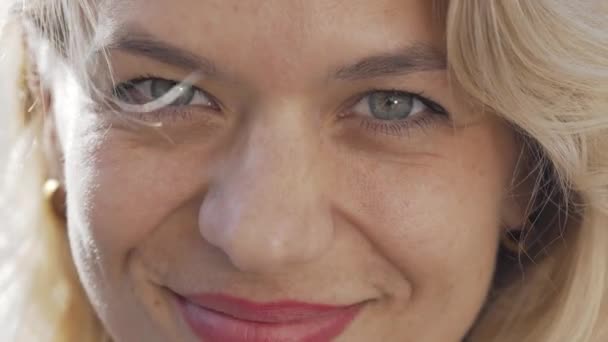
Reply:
x=52, y=149
x=41, y=105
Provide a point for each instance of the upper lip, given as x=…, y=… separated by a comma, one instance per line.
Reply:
x=277, y=312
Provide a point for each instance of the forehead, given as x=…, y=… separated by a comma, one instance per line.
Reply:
x=282, y=38
x=298, y=10
x=298, y=21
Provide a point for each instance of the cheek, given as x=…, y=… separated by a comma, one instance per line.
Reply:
x=121, y=193
x=434, y=217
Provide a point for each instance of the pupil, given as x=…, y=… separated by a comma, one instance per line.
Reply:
x=159, y=88
x=391, y=106
x=390, y=103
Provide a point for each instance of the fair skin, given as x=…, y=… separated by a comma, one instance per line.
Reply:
x=288, y=186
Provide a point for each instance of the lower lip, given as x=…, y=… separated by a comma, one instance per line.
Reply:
x=211, y=326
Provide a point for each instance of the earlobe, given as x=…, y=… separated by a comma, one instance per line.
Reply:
x=39, y=108
x=54, y=189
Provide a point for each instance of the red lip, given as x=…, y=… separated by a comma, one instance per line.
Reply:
x=216, y=317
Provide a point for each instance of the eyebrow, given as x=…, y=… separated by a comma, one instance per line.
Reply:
x=138, y=42
x=413, y=58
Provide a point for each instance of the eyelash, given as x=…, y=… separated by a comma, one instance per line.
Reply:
x=398, y=127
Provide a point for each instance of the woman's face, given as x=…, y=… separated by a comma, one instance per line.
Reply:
x=320, y=181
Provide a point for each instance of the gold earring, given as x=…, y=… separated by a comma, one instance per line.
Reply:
x=55, y=197
x=50, y=188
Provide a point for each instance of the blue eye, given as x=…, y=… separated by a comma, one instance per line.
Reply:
x=391, y=105
x=159, y=88
x=395, y=113
x=146, y=90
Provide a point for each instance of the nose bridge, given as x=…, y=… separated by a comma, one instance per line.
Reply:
x=266, y=212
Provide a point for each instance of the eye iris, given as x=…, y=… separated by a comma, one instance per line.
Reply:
x=159, y=88
x=390, y=106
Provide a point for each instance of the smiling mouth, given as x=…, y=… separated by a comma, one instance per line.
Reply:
x=218, y=317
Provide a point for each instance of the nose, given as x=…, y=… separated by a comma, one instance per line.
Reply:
x=266, y=210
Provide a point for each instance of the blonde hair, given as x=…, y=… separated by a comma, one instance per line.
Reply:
x=540, y=65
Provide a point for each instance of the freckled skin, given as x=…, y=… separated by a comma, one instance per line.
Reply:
x=278, y=197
